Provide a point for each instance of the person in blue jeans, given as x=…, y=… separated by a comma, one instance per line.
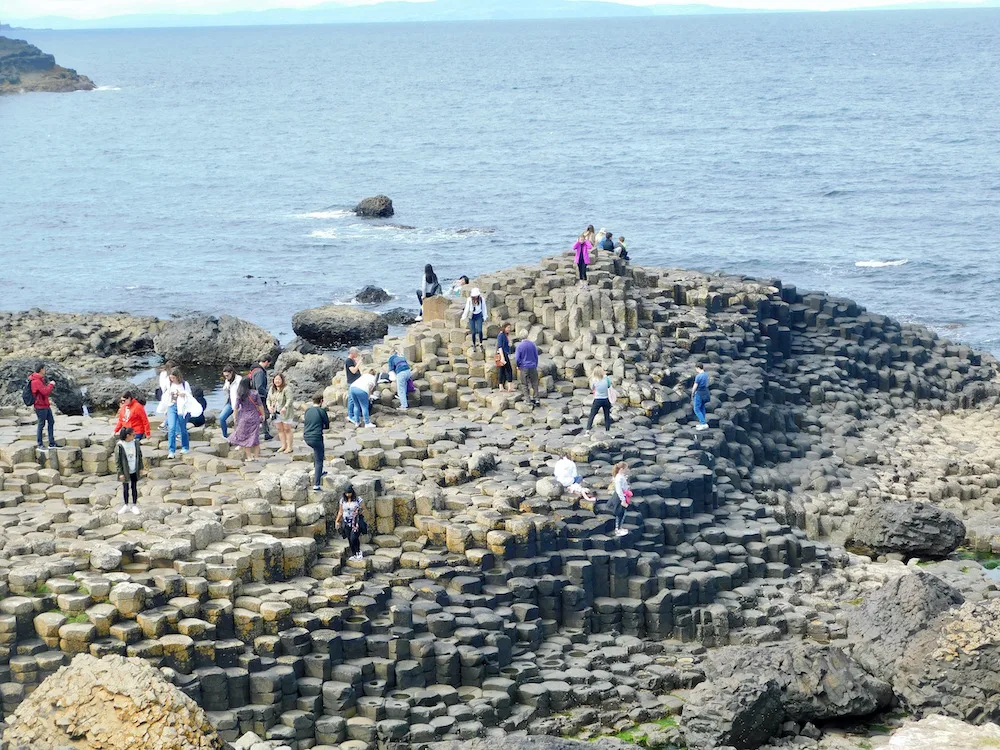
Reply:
x=360, y=393
x=352, y=367
x=475, y=313
x=315, y=421
x=230, y=382
x=399, y=365
x=700, y=396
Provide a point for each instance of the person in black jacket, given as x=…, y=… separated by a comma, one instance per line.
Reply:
x=313, y=423
x=258, y=381
x=128, y=462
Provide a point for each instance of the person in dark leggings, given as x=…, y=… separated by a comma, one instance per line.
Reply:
x=350, y=519
x=581, y=257
x=505, y=372
x=600, y=386
x=128, y=461
x=315, y=421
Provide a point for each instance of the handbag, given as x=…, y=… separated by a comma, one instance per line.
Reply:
x=612, y=395
x=498, y=359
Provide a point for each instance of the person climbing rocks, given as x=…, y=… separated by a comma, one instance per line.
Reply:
x=401, y=369
x=600, y=386
x=360, y=393
x=314, y=422
x=700, y=396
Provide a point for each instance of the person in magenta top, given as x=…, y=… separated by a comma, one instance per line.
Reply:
x=581, y=256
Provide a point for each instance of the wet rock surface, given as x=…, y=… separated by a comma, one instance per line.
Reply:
x=377, y=207
x=489, y=604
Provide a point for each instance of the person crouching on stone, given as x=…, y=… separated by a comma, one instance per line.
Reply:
x=128, y=460
x=566, y=474
x=351, y=521
x=623, y=496
x=132, y=413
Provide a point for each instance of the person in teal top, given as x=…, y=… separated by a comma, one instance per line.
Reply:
x=700, y=396
x=313, y=423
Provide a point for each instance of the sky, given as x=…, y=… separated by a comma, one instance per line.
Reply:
x=85, y=9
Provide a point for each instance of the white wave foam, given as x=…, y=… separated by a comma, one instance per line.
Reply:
x=107, y=88
x=328, y=213
x=324, y=234
x=881, y=263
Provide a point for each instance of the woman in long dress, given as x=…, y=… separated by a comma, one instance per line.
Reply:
x=249, y=416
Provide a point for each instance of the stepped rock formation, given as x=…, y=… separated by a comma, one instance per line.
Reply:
x=489, y=602
x=112, y=703
x=25, y=68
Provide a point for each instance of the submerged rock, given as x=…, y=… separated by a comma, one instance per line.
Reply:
x=372, y=295
x=378, y=207
x=338, y=325
x=211, y=340
x=910, y=529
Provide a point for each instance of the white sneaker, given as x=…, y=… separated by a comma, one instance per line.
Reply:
x=370, y=424
x=361, y=555
x=317, y=488
x=185, y=450
x=135, y=509
x=621, y=532
x=171, y=455
x=353, y=421
x=123, y=509
x=701, y=426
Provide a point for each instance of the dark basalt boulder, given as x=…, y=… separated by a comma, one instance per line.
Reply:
x=399, y=316
x=338, y=325
x=907, y=528
x=14, y=371
x=211, y=340
x=378, y=207
x=372, y=295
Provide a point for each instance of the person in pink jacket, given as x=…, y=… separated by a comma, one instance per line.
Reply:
x=581, y=256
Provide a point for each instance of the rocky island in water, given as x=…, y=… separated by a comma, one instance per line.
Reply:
x=814, y=570
x=24, y=68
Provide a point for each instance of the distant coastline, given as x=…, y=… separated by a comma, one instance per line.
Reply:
x=393, y=11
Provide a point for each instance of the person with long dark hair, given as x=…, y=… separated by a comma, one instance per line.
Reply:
x=429, y=284
x=351, y=521
x=179, y=405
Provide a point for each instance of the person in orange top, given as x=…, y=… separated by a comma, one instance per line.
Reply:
x=132, y=413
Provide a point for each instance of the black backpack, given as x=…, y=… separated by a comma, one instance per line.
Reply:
x=26, y=395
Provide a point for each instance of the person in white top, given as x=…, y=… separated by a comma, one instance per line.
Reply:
x=163, y=382
x=360, y=394
x=623, y=496
x=178, y=404
x=351, y=521
x=475, y=313
x=566, y=474
x=230, y=382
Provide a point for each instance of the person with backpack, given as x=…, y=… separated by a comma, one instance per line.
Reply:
x=607, y=242
x=132, y=414
x=401, y=368
x=429, y=285
x=314, y=422
x=351, y=521
x=622, y=249
x=581, y=257
x=37, y=394
x=258, y=381
x=600, y=386
x=128, y=461
x=623, y=496
x=199, y=395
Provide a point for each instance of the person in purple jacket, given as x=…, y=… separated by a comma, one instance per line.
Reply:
x=526, y=359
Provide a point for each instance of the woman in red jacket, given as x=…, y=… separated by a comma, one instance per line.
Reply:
x=132, y=413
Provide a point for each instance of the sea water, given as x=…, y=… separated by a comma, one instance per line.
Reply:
x=214, y=168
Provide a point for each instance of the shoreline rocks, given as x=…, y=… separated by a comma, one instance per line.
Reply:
x=489, y=603
x=214, y=340
x=909, y=529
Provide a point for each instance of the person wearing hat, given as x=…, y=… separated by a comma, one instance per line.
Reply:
x=475, y=313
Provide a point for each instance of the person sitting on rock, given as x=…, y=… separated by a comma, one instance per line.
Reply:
x=199, y=395
x=459, y=286
x=621, y=249
x=132, y=413
x=429, y=285
x=607, y=242
x=566, y=474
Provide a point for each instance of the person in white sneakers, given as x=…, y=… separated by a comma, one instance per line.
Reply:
x=360, y=394
x=566, y=474
x=623, y=496
x=351, y=521
x=128, y=460
x=179, y=405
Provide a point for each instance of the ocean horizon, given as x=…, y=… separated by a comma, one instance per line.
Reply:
x=214, y=168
